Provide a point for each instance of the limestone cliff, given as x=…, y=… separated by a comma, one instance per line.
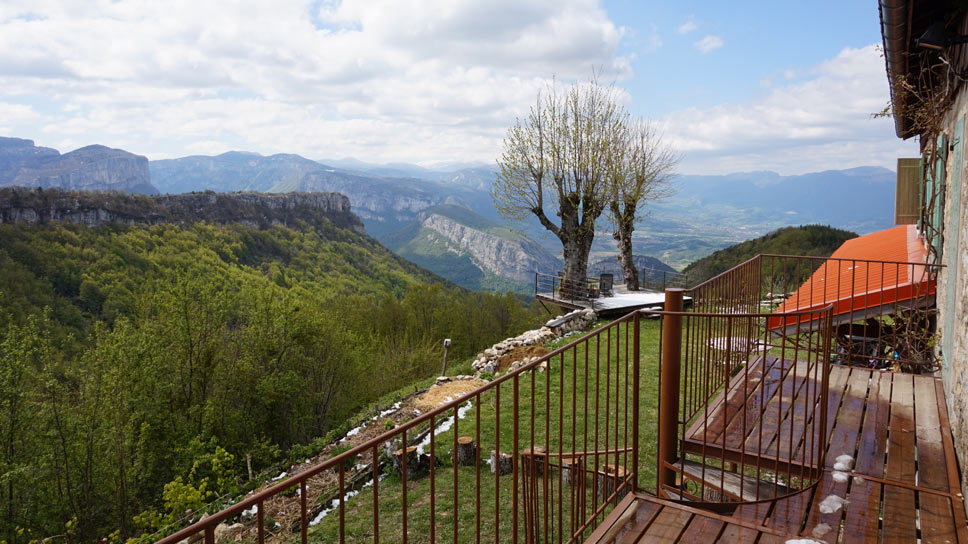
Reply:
x=515, y=259
x=257, y=209
x=94, y=167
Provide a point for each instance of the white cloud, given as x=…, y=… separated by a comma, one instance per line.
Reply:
x=413, y=80
x=708, y=43
x=686, y=27
x=813, y=124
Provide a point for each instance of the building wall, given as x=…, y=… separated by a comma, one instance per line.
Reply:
x=952, y=294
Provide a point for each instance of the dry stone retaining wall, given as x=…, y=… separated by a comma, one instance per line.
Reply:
x=578, y=320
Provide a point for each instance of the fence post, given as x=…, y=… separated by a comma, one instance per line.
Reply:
x=669, y=394
x=635, y=403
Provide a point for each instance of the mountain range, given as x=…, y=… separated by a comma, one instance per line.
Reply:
x=93, y=167
x=442, y=217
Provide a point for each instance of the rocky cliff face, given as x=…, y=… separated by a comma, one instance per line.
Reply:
x=385, y=204
x=93, y=167
x=256, y=209
x=517, y=260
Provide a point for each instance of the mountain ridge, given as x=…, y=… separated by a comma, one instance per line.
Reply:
x=92, y=167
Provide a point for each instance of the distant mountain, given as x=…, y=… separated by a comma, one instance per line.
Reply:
x=650, y=268
x=471, y=250
x=858, y=198
x=709, y=213
x=385, y=204
x=94, y=167
x=810, y=240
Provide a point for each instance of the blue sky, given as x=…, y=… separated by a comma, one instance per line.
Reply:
x=736, y=86
x=761, y=42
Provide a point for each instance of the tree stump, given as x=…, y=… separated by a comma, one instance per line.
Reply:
x=501, y=463
x=413, y=461
x=533, y=459
x=466, y=452
x=608, y=478
x=571, y=468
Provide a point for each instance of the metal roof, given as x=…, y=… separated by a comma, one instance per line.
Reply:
x=867, y=276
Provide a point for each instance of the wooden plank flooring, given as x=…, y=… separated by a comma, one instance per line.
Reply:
x=768, y=411
x=901, y=485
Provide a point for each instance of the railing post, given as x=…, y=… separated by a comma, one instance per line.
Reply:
x=635, y=403
x=669, y=395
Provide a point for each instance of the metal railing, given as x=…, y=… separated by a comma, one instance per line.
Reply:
x=743, y=416
x=729, y=408
x=559, y=435
x=884, y=313
x=660, y=280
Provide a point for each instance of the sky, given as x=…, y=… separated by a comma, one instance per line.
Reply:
x=735, y=86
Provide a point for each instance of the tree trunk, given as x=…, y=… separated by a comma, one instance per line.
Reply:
x=624, y=227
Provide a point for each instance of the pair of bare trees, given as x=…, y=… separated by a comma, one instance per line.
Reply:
x=578, y=155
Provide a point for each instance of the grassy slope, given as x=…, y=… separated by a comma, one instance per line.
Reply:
x=565, y=384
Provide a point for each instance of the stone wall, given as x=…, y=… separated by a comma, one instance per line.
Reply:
x=577, y=320
x=953, y=286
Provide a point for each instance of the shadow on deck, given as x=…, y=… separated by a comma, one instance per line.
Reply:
x=899, y=485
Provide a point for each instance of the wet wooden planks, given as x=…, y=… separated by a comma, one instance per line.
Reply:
x=901, y=484
x=767, y=410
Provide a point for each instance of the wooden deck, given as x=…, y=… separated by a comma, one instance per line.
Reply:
x=902, y=485
x=768, y=400
x=619, y=304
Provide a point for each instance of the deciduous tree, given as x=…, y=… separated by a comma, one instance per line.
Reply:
x=556, y=165
x=642, y=175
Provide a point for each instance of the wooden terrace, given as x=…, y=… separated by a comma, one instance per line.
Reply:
x=902, y=484
x=619, y=301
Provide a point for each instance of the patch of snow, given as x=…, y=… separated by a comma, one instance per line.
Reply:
x=388, y=411
x=249, y=512
x=352, y=432
x=335, y=502
x=444, y=426
x=831, y=504
x=281, y=476
x=803, y=541
x=858, y=479
x=840, y=477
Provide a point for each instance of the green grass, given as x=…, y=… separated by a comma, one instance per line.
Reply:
x=572, y=424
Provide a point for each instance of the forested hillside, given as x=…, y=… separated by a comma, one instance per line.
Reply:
x=811, y=240
x=141, y=365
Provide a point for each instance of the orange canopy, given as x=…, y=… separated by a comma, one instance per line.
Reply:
x=867, y=276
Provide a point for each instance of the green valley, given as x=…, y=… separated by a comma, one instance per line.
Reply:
x=144, y=365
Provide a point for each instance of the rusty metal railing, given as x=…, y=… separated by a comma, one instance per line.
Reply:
x=884, y=313
x=558, y=441
x=743, y=416
x=559, y=433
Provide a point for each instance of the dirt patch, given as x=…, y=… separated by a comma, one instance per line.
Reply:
x=519, y=353
x=445, y=392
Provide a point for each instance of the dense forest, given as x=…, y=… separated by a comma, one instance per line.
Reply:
x=809, y=240
x=141, y=365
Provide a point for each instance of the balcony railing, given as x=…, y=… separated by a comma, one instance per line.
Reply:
x=729, y=407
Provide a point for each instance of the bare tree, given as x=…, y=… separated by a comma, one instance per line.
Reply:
x=557, y=164
x=641, y=175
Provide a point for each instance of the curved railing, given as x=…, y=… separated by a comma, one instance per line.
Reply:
x=744, y=412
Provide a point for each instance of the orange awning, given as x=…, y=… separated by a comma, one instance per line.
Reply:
x=867, y=276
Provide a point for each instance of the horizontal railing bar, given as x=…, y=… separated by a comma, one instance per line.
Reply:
x=737, y=315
